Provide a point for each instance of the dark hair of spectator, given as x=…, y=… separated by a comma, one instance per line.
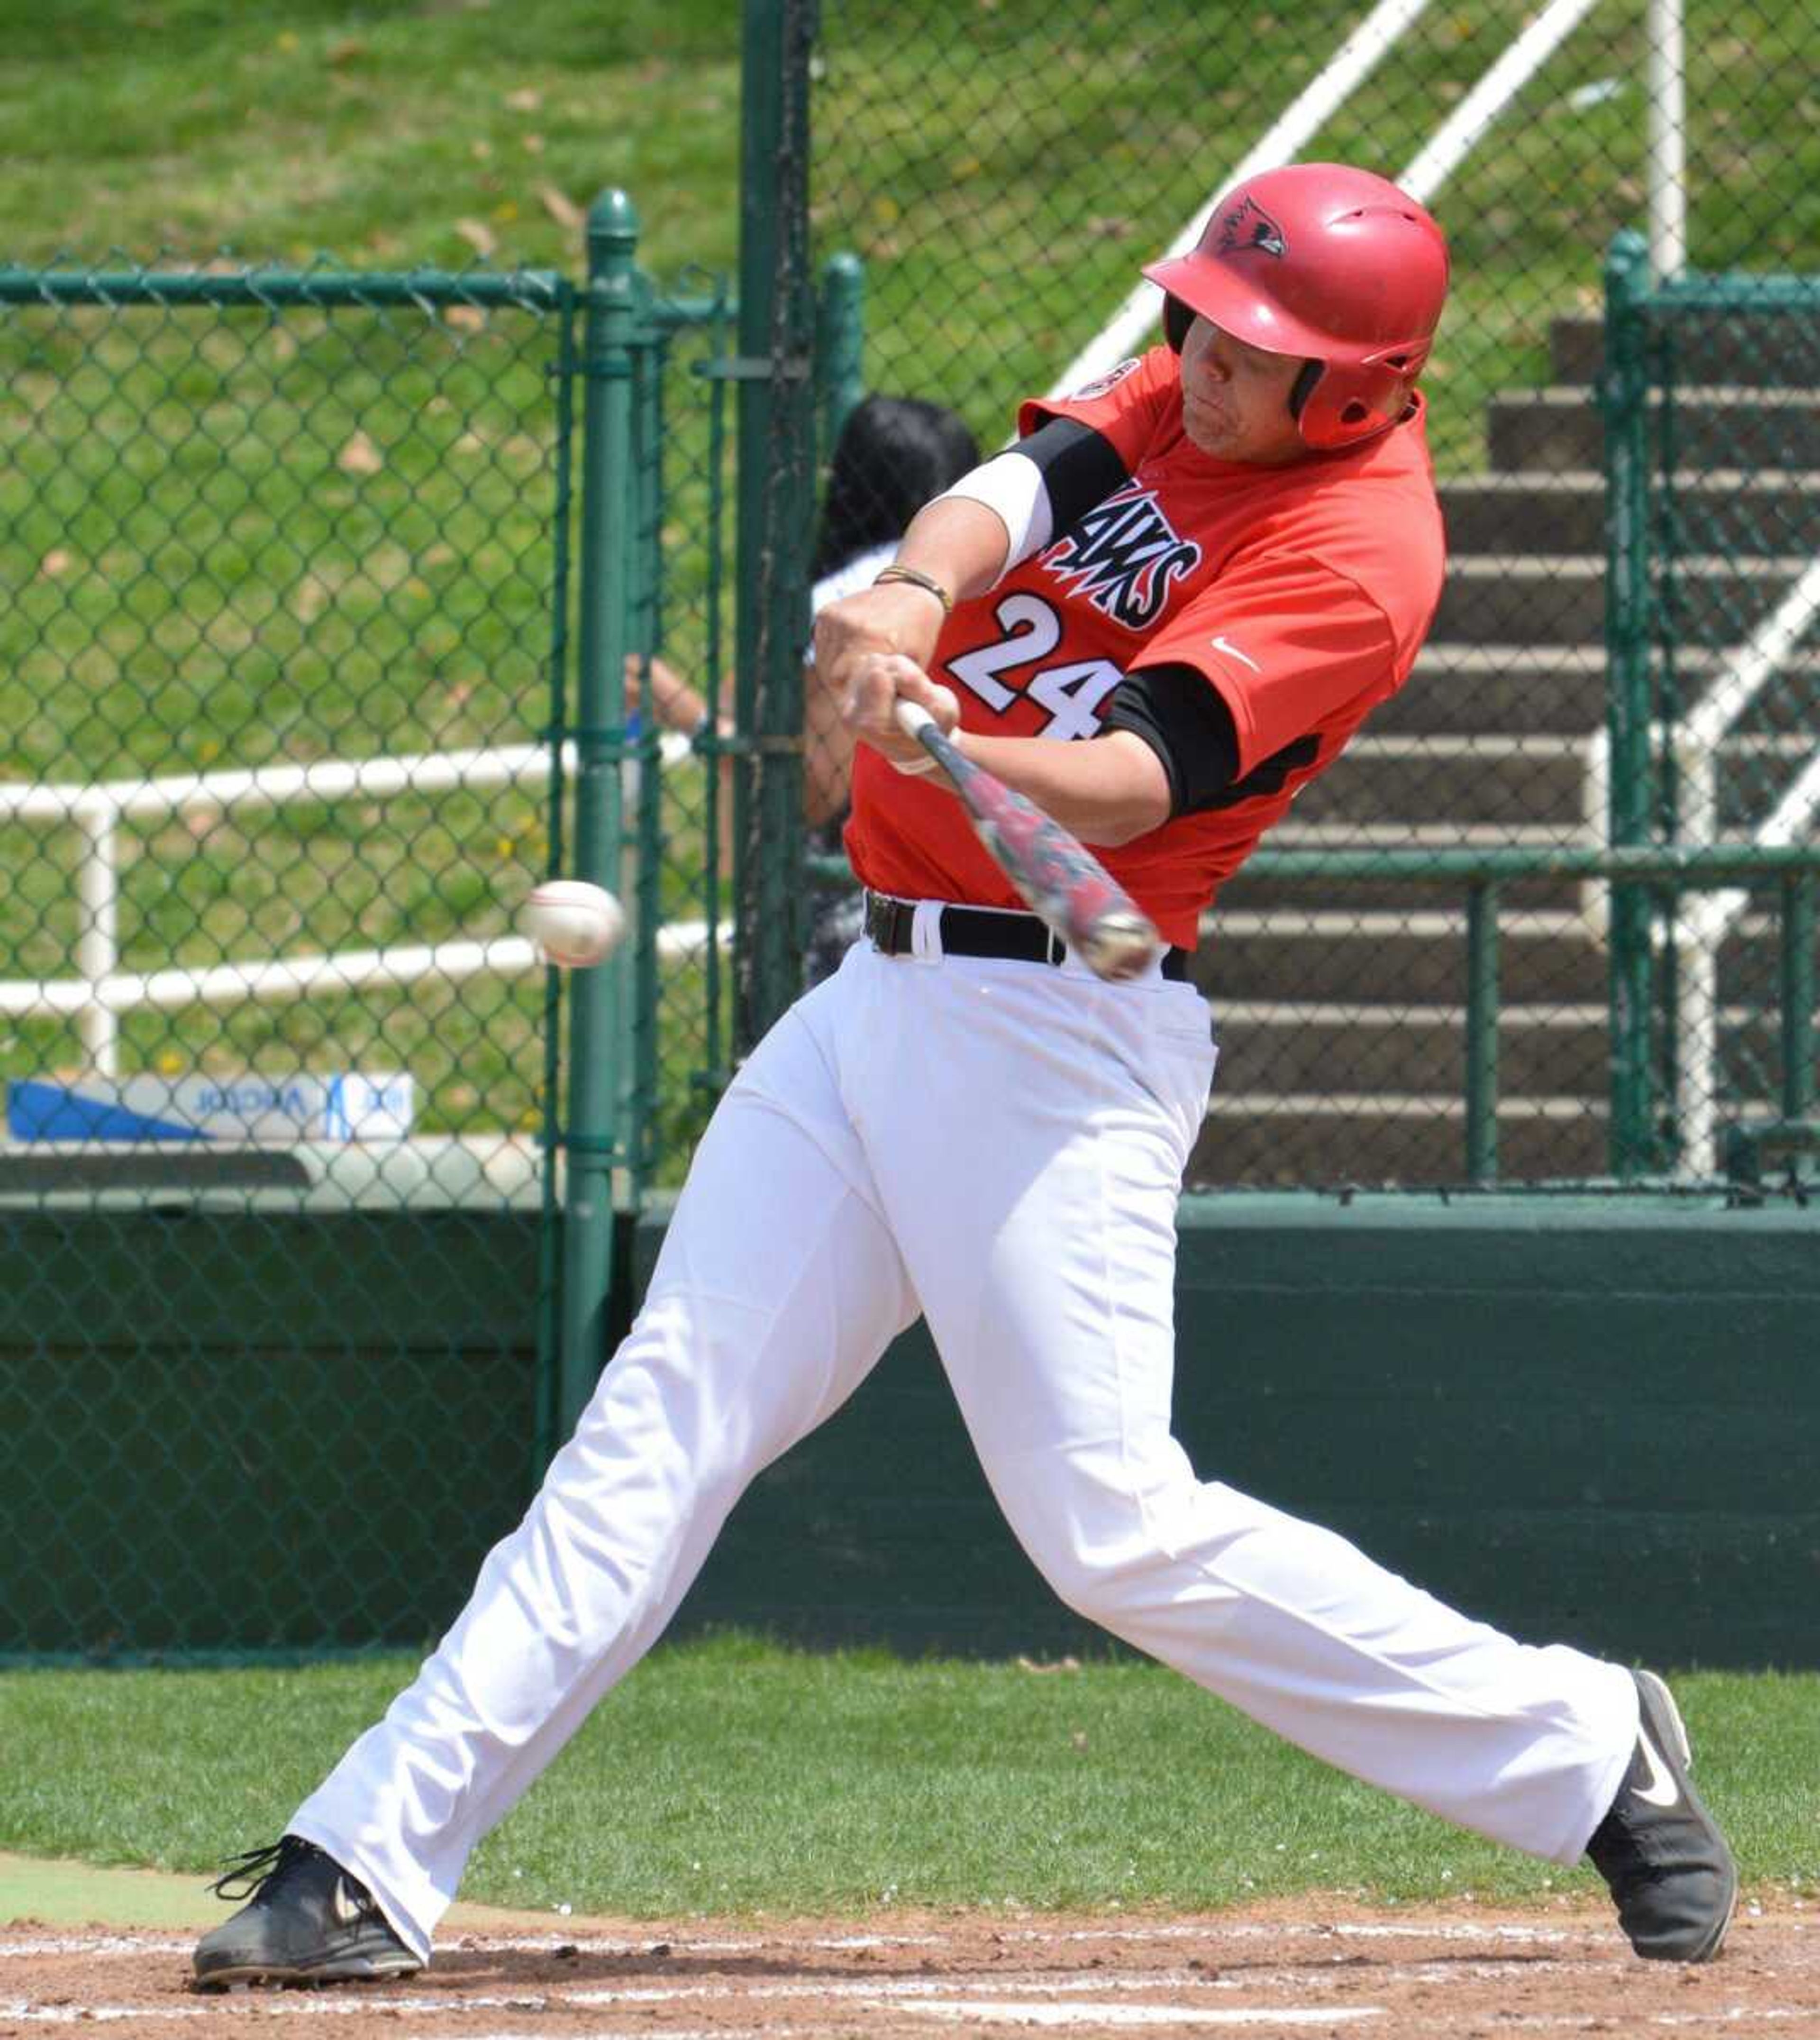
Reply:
x=893, y=454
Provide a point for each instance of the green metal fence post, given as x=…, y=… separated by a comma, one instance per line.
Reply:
x=1482, y=1033
x=1623, y=395
x=1798, y=975
x=840, y=340
x=644, y=837
x=776, y=485
x=545, y=1438
x=596, y=997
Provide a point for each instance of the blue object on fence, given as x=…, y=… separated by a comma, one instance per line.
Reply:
x=336, y=1108
x=58, y=1112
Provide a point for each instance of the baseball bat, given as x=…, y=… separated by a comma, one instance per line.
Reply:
x=1058, y=878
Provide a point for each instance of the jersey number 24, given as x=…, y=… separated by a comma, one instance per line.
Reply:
x=1071, y=693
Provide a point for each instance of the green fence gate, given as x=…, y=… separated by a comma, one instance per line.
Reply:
x=287, y=574
x=332, y=604
x=1714, y=585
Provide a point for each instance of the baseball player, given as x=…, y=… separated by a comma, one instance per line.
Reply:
x=1159, y=616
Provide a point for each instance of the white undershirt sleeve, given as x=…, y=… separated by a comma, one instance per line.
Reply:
x=1013, y=489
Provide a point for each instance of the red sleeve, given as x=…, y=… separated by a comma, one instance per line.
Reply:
x=1124, y=406
x=1288, y=643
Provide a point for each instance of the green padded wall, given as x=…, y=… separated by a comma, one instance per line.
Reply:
x=1593, y=1420
x=1586, y=1421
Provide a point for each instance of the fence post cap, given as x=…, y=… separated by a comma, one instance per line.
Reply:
x=613, y=217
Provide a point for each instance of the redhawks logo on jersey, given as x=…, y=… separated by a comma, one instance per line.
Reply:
x=1101, y=384
x=1124, y=556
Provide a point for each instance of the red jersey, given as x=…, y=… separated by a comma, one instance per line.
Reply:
x=1301, y=593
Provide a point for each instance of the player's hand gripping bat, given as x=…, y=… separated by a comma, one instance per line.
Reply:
x=1059, y=879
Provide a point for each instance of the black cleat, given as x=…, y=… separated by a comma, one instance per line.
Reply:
x=306, y=1921
x=1660, y=1851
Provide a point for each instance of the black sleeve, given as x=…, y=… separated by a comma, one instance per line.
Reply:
x=1180, y=714
x=1079, y=468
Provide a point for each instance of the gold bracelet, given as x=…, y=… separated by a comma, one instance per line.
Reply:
x=918, y=578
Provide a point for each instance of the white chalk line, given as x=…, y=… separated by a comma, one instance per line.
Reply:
x=1096, y=2015
x=1076, y=2002
x=91, y=1944
x=985, y=2011
x=977, y=2012
x=1047, y=2011
x=867, y=1990
x=1073, y=2002
x=1526, y=2022
x=71, y=2014
x=1412, y=1929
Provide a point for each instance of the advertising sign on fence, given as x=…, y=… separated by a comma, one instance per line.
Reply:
x=359, y=1106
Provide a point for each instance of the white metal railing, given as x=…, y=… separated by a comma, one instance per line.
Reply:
x=1667, y=139
x=1354, y=62
x=1472, y=118
x=1702, y=924
x=101, y=991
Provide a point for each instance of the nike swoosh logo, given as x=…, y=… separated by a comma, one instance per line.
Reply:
x=1232, y=651
x=348, y=1909
x=1660, y=1790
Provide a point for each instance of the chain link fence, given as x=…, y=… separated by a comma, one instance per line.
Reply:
x=683, y=721
x=1003, y=177
x=1711, y=430
x=285, y=561
x=309, y=578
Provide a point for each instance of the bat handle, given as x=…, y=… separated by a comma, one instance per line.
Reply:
x=913, y=718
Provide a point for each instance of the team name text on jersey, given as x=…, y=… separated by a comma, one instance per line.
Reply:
x=1123, y=555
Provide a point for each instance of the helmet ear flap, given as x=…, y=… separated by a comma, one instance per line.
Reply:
x=1177, y=317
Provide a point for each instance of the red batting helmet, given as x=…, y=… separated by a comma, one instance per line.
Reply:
x=1327, y=262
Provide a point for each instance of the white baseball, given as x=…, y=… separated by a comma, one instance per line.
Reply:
x=574, y=923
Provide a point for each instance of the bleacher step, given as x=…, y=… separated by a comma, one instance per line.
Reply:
x=1716, y=426
x=1332, y=1139
x=1559, y=599
x=1753, y=349
x=1730, y=510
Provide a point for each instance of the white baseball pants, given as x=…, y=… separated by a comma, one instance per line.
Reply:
x=999, y=1147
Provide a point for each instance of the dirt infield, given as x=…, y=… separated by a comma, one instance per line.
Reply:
x=1305, y=1967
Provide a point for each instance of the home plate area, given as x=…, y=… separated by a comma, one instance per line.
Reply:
x=1307, y=1968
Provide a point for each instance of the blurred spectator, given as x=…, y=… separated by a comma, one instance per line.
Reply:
x=893, y=454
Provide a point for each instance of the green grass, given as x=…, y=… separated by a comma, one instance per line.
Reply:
x=231, y=539
x=731, y=1775
x=369, y=128
x=1048, y=176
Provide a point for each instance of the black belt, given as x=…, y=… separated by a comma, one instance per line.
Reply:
x=981, y=931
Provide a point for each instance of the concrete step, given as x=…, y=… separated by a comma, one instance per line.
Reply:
x=1559, y=599
x=1329, y=1141
x=1518, y=690
x=1253, y=890
x=1257, y=890
x=1392, y=958
x=1401, y=959
x=1535, y=783
x=1269, y=1050
x=1511, y=689
x=1530, y=782
x=1755, y=349
x=1544, y=510
x=1716, y=426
